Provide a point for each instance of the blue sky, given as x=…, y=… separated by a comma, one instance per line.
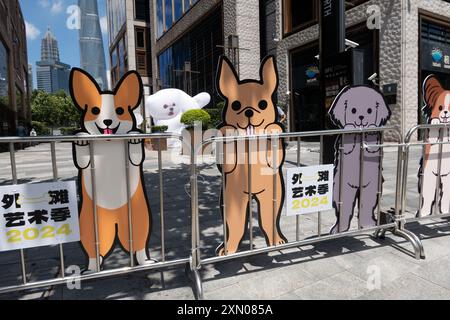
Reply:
x=41, y=14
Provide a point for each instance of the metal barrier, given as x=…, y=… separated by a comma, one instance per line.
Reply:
x=393, y=225
x=441, y=141
x=201, y=254
x=63, y=278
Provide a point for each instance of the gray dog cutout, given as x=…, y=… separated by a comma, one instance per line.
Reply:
x=354, y=108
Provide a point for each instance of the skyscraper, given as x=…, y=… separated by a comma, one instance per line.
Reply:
x=51, y=74
x=92, y=54
x=49, y=47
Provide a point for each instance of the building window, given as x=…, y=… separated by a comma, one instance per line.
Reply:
x=119, y=60
x=301, y=14
x=142, y=10
x=298, y=15
x=178, y=9
x=168, y=12
x=142, y=56
x=116, y=17
x=200, y=47
x=4, y=78
x=160, y=17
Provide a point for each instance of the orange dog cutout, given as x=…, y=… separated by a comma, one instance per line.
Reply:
x=250, y=110
x=109, y=113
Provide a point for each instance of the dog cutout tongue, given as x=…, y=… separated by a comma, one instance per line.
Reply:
x=250, y=130
x=107, y=131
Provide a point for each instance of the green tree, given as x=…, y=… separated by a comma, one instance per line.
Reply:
x=54, y=110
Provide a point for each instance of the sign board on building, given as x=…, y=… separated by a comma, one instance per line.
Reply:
x=435, y=56
x=309, y=189
x=36, y=215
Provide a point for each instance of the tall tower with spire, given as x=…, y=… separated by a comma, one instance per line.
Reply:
x=49, y=47
x=52, y=75
x=92, y=54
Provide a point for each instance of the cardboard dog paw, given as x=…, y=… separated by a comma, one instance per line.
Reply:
x=82, y=143
x=274, y=128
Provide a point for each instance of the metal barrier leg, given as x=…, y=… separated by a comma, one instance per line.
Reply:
x=415, y=241
x=400, y=204
x=193, y=269
x=12, y=154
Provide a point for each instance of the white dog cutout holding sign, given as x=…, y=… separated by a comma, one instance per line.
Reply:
x=168, y=106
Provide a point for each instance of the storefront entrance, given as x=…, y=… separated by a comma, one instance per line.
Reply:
x=306, y=112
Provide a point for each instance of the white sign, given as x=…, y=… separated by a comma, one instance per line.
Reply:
x=35, y=215
x=309, y=189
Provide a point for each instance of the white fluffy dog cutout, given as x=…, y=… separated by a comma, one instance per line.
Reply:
x=167, y=106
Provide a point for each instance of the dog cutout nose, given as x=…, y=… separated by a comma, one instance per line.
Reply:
x=249, y=113
x=446, y=112
x=107, y=122
x=361, y=117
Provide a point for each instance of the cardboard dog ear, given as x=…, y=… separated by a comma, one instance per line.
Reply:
x=269, y=74
x=339, y=108
x=84, y=90
x=432, y=89
x=128, y=92
x=384, y=112
x=227, y=78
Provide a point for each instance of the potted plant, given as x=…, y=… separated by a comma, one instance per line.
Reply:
x=191, y=119
x=157, y=144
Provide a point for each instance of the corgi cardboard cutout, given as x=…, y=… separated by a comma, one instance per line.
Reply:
x=110, y=113
x=250, y=110
x=437, y=111
x=357, y=107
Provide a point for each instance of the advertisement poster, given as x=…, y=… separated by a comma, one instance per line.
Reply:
x=309, y=190
x=36, y=215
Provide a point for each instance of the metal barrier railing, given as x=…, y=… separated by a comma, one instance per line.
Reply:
x=394, y=222
x=63, y=278
x=393, y=225
x=427, y=154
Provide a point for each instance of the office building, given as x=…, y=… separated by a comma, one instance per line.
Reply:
x=411, y=41
x=92, y=57
x=52, y=75
x=14, y=81
x=129, y=41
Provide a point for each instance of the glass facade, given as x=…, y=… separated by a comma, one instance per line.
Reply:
x=4, y=77
x=201, y=48
x=116, y=17
x=92, y=54
x=6, y=114
x=168, y=12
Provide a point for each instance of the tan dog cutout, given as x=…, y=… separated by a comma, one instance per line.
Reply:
x=250, y=110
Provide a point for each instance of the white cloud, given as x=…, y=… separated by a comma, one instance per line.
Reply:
x=57, y=7
x=104, y=24
x=32, y=31
x=44, y=3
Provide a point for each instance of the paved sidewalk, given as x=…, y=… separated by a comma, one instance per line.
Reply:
x=347, y=268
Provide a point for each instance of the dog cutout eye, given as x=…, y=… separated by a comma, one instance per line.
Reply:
x=369, y=111
x=120, y=111
x=441, y=108
x=236, y=106
x=354, y=110
x=263, y=105
x=95, y=111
